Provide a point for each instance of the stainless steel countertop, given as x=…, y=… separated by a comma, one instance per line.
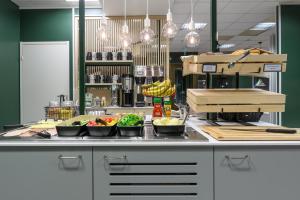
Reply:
x=196, y=139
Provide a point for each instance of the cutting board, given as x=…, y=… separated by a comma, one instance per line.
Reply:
x=223, y=133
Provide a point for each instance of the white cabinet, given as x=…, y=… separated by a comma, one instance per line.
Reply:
x=153, y=174
x=257, y=173
x=45, y=173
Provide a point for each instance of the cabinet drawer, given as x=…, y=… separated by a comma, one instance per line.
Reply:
x=153, y=174
x=252, y=173
x=46, y=173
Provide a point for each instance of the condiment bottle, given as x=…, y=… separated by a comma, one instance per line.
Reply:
x=157, y=108
x=167, y=107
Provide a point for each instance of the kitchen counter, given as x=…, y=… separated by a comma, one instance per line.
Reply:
x=194, y=123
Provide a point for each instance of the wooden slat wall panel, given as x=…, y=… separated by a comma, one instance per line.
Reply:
x=143, y=54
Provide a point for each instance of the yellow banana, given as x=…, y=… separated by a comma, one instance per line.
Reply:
x=151, y=85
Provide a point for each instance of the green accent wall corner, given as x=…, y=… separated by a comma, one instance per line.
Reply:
x=290, y=29
x=48, y=25
x=9, y=63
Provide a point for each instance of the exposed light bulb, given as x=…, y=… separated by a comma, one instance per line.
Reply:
x=102, y=34
x=147, y=34
x=169, y=29
x=125, y=38
x=192, y=39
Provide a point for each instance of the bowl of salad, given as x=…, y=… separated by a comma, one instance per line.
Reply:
x=131, y=125
x=102, y=127
x=71, y=128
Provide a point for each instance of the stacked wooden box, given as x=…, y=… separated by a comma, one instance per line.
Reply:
x=255, y=65
x=235, y=100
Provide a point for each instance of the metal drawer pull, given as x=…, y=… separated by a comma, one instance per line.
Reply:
x=61, y=157
x=68, y=162
x=238, y=165
x=120, y=163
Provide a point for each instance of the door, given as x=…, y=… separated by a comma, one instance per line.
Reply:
x=260, y=174
x=153, y=174
x=45, y=174
x=44, y=74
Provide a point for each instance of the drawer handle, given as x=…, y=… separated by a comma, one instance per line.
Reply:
x=237, y=162
x=65, y=162
x=61, y=157
x=122, y=162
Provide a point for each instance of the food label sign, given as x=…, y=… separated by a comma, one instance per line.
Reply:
x=209, y=68
x=272, y=67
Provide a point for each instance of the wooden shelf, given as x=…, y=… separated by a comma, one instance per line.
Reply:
x=235, y=100
x=100, y=84
x=254, y=65
x=108, y=62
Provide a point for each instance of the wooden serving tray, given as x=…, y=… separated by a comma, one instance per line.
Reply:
x=250, y=65
x=234, y=96
x=227, y=58
x=222, y=133
x=235, y=108
x=235, y=100
x=243, y=68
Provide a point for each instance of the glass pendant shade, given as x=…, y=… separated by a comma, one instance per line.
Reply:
x=192, y=39
x=170, y=30
x=125, y=38
x=147, y=35
x=102, y=33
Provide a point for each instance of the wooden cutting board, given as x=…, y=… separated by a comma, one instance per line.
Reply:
x=223, y=133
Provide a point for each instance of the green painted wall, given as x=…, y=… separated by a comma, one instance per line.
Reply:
x=290, y=43
x=48, y=25
x=9, y=63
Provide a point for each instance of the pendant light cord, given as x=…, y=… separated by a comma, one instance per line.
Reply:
x=147, y=8
x=125, y=11
x=103, y=5
x=169, y=5
x=192, y=11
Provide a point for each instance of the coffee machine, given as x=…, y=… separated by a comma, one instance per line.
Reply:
x=127, y=90
x=140, y=78
x=157, y=73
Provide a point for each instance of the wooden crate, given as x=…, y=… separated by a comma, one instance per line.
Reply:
x=235, y=100
x=227, y=58
x=253, y=65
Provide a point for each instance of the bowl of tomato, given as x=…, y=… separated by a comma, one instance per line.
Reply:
x=102, y=127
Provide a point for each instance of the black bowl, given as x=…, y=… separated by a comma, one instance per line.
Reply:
x=130, y=131
x=70, y=131
x=102, y=131
x=169, y=130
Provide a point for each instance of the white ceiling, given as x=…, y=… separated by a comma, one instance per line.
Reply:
x=234, y=17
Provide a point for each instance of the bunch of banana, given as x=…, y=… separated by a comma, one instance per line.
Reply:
x=159, y=89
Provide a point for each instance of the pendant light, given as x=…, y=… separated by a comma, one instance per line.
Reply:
x=102, y=33
x=125, y=38
x=169, y=29
x=192, y=39
x=147, y=34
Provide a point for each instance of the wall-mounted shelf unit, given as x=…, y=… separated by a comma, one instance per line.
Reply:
x=101, y=84
x=108, y=62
